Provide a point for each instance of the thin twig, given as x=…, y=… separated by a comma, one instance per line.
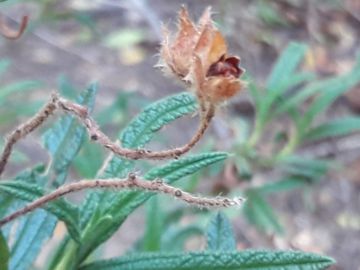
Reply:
x=26, y=128
x=96, y=134
x=132, y=182
x=9, y=33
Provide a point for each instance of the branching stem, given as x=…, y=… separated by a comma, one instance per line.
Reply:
x=96, y=134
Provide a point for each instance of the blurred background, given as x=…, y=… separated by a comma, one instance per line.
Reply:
x=69, y=44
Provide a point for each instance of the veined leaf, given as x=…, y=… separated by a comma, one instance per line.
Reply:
x=127, y=202
x=29, y=192
x=259, y=212
x=138, y=133
x=63, y=141
x=4, y=253
x=32, y=231
x=245, y=260
x=66, y=137
x=142, y=129
x=333, y=128
x=220, y=235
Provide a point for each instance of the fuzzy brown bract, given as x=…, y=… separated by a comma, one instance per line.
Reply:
x=197, y=55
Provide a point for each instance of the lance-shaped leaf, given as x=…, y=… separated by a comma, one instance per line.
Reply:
x=210, y=260
x=220, y=235
x=63, y=142
x=137, y=134
x=125, y=204
x=29, y=192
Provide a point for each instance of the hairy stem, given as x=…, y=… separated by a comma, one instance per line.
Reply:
x=131, y=182
x=96, y=134
x=26, y=128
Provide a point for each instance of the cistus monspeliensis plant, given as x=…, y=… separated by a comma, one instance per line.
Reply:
x=197, y=55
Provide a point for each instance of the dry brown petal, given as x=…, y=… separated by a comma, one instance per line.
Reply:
x=219, y=89
x=198, y=55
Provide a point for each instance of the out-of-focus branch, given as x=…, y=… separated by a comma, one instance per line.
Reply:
x=10, y=33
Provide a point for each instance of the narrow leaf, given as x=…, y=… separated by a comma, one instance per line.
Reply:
x=32, y=231
x=137, y=134
x=142, y=129
x=63, y=142
x=62, y=209
x=329, y=95
x=333, y=128
x=281, y=78
x=245, y=260
x=259, y=213
x=127, y=202
x=154, y=225
x=285, y=67
x=220, y=235
x=285, y=184
x=66, y=137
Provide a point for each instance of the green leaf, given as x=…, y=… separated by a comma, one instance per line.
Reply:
x=306, y=92
x=89, y=159
x=220, y=235
x=333, y=128
x=66, y=137
x=63, y=141
x=126, y=202
x=142, y=129
x=284, y=68
x=4, y=253
x=32, y=231
x=29, y=192
x=309, y=168
x=138, y=133
x=154, y=225
x=259, y=212
x=281, y=78
x=245, y=260
x=330, y=94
